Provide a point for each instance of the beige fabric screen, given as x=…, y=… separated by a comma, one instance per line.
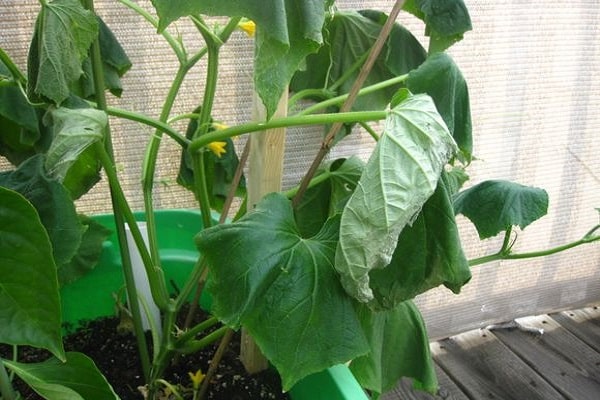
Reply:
x=534, y=77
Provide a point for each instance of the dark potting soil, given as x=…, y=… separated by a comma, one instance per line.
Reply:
x=115, y=354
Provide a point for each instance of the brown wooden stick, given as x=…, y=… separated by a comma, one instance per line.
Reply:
x=352, y=95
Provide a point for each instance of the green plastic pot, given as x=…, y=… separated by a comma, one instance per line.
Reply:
x=91, y=296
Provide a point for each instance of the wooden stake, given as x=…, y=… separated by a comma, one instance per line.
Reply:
x=265, y=170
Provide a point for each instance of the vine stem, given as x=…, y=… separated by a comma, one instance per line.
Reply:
x=317, y=119
x=352, y=95
x=106, y=155
x=504, y=254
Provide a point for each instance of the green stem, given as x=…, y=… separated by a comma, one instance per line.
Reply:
x=6, y=389
x=191, y=282
x=14, y=70
x=161, y=126
x=506, y=255
x=370, y=131
x=349, y=72
x=342, y=98
x=320, y=93
x=156, y=277
x=201, y=327
x=213, y=44
x=207, y=340
x=106, y=156
x=295, y=120
x=149, y=163
x=175, y=45
x=290, y=193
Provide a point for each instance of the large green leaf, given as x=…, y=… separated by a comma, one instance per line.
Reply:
x=76, y=379
x=53, y=204
x=287, y=31
x=74, y=131
x=349, y=37
x=496, y=205
x=399, y=348
x=429, y=254
x=88, y=254
x=401, y=174
x=64, y=31
x=30, y=312
x=441, y=79
x=283, y=289
x=446, y=21
x=325, y=199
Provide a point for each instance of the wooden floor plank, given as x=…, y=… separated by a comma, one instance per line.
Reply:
x=583, y=323
x=485, y=368
x=569, y=364
x=448, y=390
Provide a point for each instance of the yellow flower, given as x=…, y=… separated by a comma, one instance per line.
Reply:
x=218, y=148
x=196, y=378
x=248, y=26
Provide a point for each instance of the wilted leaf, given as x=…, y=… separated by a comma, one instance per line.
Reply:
x=283, y=289
x=399, y=348
x=441, y=79
x=64, y=31
x=74, y=131
x=401, y=174
x=76, y=379
x=446, y=21
x=429, y=254
x=496, y=205
x=30, y=312
x=349, y=37
x=115, y=63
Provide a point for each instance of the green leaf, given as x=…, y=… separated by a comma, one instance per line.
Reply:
x=88, y=254
x=30, y=312
x=441, y=79
x=53, y=204
x=18, y=122
x=64, y=31
x=349, y=37
x=429, y=254
x=76, y=379
x=115, y=63
x=74, y=131
x=287, y=31
x=446, y=21
x=455, y=179
x=496, y=205
x=283, y=289
x=399, y=348
x=328, y=198
x=400, y=176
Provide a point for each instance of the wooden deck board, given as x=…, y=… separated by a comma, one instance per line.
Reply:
x=569, y=364
x=481, y=366
x=506, y=364
x=584, y=323
x=448, y=390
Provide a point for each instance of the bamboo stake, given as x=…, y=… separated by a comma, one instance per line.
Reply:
x=265, y=171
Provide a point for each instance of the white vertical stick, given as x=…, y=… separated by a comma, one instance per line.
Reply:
x=140, y=278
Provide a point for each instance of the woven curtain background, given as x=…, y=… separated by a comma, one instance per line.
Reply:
x=534, y=77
